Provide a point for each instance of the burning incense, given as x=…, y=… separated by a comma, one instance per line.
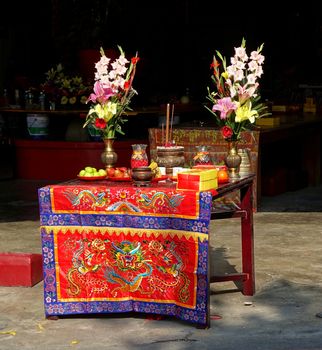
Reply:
x=172, y=114
x=162, y=133
x=167, y=125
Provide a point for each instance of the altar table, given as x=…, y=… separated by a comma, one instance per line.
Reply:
x=111, y=247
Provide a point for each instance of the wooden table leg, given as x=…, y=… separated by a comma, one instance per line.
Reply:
x=247, y=240
x=52, y=318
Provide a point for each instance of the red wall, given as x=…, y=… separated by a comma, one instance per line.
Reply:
x=55, y=160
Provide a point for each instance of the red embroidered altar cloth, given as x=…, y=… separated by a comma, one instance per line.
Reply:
x=113, y=247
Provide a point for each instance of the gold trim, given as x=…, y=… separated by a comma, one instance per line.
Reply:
x=160, y=301
x=119, y=231
x=126, y=230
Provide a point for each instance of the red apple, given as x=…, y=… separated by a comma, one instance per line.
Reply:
x=118, y=173
x=110, y=172
x=127, y=173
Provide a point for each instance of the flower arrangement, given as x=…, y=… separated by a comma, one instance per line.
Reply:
x=112, y=95
x=236, y=103
x=64, y=89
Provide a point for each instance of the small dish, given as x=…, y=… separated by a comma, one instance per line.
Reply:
x=160, y=178
x=223, y=181
x=126, y=178
x=91, y=178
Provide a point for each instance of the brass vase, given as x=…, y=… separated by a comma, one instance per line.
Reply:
x=109, y=156
x=233, y=160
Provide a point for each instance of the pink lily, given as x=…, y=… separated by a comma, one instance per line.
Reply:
x=224, y=106
x=101, y=94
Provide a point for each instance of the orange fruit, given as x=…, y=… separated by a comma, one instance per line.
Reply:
x=222, y=175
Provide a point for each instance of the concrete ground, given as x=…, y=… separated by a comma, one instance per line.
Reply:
x=281, y=315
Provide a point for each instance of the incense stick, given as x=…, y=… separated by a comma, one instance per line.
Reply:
x=172, y=113
x=167, y=125
x=162, y=136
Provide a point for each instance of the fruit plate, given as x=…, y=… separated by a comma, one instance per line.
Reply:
x=160, y=178
x=222, y=181
x=165, y=177
x=91, y=178
x=114, y=178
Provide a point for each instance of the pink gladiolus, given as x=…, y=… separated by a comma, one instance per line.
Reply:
x=256, y=56
x=112, y=93
x=235, y=104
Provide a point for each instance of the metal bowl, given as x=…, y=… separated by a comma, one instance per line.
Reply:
x=142, y=176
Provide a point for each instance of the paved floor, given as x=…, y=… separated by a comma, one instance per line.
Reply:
x=281, y=315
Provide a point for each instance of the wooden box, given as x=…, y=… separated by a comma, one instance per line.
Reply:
x=20, y=269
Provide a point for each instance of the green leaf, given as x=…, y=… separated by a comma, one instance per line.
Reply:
x=102, y=52
x=219, y=55
x=260, y=48
x=121, y=50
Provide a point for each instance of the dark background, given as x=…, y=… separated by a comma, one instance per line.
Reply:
x=175, y=41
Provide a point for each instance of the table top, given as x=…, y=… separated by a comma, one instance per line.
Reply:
x=105, y=196
x=235, y=184
x=222, y=187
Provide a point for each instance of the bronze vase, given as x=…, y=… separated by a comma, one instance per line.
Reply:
x=109, y=156
x=233, y=160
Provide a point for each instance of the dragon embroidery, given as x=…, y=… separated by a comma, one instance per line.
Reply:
x=169, y=263
x=98, y=200
x=86, y=261
x=128, y=268
x=125, y=267
x=160, y=199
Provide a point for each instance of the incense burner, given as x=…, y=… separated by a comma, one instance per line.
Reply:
x=170, y=157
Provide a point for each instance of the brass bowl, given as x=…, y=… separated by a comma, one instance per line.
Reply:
x=142, y=176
